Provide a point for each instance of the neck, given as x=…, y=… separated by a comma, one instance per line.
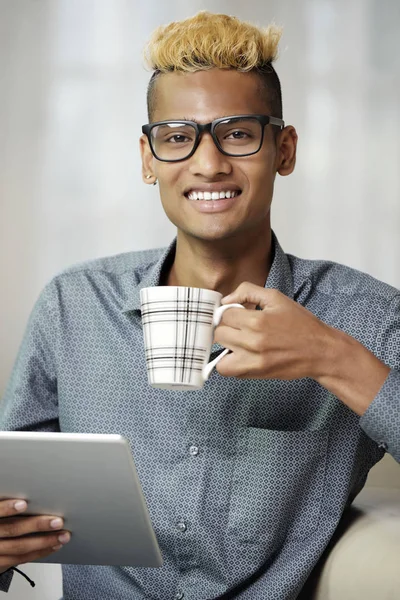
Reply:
x=221, y=266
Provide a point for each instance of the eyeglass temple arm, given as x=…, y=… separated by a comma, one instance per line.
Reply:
x=276, y=121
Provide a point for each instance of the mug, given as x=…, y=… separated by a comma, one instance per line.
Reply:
x=178, y=330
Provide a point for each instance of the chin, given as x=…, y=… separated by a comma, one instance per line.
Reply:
x=217, y=234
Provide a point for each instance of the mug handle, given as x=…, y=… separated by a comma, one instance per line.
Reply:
x=216, y=321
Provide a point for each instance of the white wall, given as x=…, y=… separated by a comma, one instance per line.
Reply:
x=71, y=105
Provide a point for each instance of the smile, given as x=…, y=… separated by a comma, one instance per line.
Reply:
x=193, y=195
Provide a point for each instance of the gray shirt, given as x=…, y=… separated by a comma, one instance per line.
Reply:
x=245, y=480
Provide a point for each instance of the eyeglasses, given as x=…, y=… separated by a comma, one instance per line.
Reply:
x=240, y=135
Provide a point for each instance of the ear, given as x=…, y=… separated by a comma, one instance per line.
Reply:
x=286, y=150
x=147, y=159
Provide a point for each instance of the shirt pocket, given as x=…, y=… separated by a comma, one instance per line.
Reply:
x=277, y=485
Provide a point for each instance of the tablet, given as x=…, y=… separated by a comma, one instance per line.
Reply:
x=91, y=481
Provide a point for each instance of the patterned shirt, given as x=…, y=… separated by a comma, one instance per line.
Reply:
x=245, y=480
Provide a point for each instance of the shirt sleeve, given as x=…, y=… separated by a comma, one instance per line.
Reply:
x=5, y=581
x=381, y=420
x=30, y=401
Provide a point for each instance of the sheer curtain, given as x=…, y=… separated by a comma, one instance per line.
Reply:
x=71, y=105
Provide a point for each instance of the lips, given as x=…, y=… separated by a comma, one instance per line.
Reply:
x=213, y=206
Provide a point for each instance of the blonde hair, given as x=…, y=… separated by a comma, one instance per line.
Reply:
x=208, y=40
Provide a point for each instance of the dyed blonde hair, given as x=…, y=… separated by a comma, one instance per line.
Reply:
x=208, y=40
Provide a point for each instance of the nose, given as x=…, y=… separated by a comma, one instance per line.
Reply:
x=208, y=160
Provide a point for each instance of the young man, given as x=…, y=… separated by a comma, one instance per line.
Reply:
x=246, y=479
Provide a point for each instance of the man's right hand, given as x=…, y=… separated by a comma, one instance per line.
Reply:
x=26, y=538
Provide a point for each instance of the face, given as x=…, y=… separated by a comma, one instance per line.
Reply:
x=202, y=97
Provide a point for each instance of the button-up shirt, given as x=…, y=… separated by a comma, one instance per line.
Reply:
x=245, y=480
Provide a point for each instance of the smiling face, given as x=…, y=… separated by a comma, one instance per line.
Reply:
x=204, y=96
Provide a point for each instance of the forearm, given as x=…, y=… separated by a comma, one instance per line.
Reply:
x=350, y=371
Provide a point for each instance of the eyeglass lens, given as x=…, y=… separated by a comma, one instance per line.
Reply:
x=175, y=141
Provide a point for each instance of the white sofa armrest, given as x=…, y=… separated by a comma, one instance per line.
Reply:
x=364, y=561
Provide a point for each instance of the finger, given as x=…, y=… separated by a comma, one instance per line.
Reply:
x=233, y=339
x=253, y=294
x=22, y=525
x=14, y=561
x=31, y=543
x=240, y=319
x=12, y=506
x=232, y=365
x=241, y=364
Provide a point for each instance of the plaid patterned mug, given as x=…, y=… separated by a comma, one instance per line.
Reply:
x=178, y=329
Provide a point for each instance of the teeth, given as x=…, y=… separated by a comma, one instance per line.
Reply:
x=212, y=195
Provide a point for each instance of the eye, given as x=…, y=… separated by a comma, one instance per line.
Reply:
x=178, y=138
x=238, y=135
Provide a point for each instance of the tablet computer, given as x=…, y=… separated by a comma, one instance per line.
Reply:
x=91, y=481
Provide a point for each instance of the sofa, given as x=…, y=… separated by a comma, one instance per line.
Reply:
x=362, y=560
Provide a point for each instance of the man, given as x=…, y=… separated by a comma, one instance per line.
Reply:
x=246, y=479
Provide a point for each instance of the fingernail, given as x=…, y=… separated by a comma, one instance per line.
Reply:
x=56, y=523
x=64, y=538
x=20, y=505
x=57, y=547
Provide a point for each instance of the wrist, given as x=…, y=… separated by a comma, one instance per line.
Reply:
x=331, y=347
x=350, y=371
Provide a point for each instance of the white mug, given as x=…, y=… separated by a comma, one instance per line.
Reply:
x=178, y=329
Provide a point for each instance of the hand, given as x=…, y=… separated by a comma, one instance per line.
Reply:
x=17, y=544
x=282, y=341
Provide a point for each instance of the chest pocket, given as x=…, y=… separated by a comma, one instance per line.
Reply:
x=277, y=486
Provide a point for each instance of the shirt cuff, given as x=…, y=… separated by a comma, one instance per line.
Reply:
x=381, y=420
x=5, y=580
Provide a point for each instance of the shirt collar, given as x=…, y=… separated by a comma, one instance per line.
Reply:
x=151, y=277
x=279, y=277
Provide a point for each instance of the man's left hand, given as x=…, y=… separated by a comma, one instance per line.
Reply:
x=283, y=340
x=286, y=341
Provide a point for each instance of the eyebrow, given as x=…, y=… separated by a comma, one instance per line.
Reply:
x=189, y=119
x=196, y=121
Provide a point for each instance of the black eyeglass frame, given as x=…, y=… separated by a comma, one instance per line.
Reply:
x=209, y=128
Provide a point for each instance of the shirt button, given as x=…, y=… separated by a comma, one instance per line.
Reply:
x=181, y=526
x=383, y=445
x=193, y=450
x=179, y=595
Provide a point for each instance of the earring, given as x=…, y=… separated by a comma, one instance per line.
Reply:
x=149, y=177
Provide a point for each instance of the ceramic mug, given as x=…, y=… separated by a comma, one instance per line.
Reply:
x=178, y=329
